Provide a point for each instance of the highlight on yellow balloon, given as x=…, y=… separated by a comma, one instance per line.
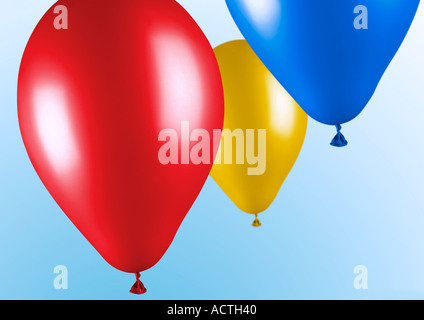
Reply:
x=264, y=130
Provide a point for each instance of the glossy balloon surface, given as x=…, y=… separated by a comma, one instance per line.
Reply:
x=254, y=100
x=92, y=101
x=316, y=51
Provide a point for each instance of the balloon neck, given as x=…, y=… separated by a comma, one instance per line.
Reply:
x=138, y=287
x=339, y=140
x=256, y=223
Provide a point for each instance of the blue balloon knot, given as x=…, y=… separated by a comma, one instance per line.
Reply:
x=339, y=140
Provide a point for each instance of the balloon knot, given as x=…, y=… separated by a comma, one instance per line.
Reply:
x=138, y=287
x=339, y=140
x=256, y=223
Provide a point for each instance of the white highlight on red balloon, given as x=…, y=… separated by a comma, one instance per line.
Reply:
x=178, y=76
x=54, y=129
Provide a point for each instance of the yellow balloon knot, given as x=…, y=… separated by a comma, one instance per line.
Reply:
x=256, y=223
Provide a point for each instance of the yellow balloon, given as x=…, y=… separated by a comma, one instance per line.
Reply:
x=249, y=168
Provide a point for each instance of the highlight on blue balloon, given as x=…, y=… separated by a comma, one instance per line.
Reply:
x=329, y=55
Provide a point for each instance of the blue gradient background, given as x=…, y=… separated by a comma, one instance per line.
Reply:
x=339, y=208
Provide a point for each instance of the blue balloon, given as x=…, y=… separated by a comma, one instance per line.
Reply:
x=328, y=54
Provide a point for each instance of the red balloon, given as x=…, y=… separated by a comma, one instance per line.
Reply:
x=92, y=100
